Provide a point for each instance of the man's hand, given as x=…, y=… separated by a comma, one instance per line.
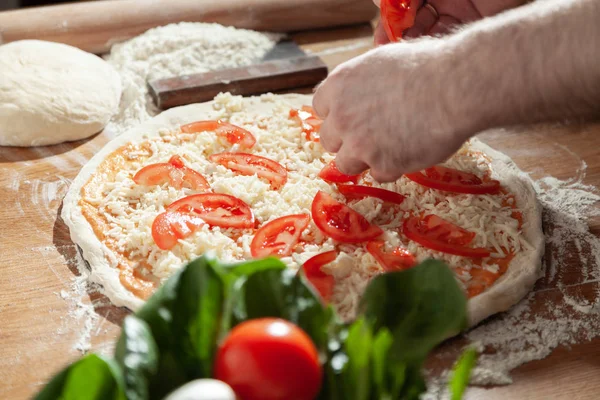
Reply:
x=406, y=106
x=443, y=15
x=381, y=111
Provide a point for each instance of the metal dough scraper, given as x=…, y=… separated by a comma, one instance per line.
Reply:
x=285, y=67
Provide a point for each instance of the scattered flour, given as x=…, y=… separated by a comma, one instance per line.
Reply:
x=537, y=325
x=176, y=50
x=80, y=308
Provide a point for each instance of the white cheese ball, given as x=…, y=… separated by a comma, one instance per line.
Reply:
x=203, y=389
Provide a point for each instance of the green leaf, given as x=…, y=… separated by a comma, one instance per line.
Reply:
x=283, y=294
x=413, y=384
x=196, y=316
x=92, y=377
x=357, y=371
x=462, y=373
x=381, y=346
x=420, y=306
x=184, y=316
x=137, y=355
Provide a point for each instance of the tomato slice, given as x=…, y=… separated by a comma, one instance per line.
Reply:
x=354, y=192
x=438, y=234
x=397, y=16
x=216, y=209
x=323, y=282
x=340, y=222
x=232, y=133
x=398, y=259
x=174, y=172
x=278, y=237
x=453, y=180
x=269, y=359
x=170, y=226
x=250, y=164
x=310, y=122
x=330, y=173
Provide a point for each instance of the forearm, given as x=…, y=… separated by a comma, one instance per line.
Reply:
x=537, y=63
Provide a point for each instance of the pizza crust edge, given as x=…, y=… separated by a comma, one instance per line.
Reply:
x=526, y=268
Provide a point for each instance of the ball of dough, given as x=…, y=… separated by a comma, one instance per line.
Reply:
x=52, y=93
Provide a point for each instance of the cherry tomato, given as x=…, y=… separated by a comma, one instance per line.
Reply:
x=310, y=122
x=330, y=173
x=340, y=222
x=232, y=133
x=323, y=282
x=453, y=180
x=398, y=259
x=278, y=237
x=170, y=226
x=438, y=234
x=250, y=164
x=397, y=16
x=269, y=359
x=174, y=172
x=352, y=192
x=216, y=209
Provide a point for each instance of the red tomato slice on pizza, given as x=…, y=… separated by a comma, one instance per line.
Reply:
x=310, y=122
x=174, y=172
x=278, y=237
x=438, y=234
x=169, y=226
x=216, y=209
x=398, y=259
x=250, y=164
x=340, y=222
x=232, y=133
x=356, y=192
x=453, y=180
x=397, y=16
x=323, y=282
x=331, y=174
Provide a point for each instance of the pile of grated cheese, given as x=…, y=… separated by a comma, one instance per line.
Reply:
x=130, y=208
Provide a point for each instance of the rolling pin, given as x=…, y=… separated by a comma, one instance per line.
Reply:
x=94, y=26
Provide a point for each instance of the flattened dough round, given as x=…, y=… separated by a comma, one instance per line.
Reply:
x=516, y=282
x=52, y=93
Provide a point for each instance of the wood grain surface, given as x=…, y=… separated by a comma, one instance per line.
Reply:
x=40, y=330
x=95, y=26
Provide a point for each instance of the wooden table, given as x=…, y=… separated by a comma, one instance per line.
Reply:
x=39, y=329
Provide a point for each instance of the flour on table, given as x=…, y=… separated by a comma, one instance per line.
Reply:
x=175, y=50
x=532, y=329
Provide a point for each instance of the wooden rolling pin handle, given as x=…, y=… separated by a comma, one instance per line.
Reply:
x=94, y=26
x=269, y=76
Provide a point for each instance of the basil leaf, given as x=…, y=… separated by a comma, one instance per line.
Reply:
x=413, y=385
x=184, y=316
x=420, y=306
x=92, y=377
x=281, y=293
x=196, y=316
x=383, y=372
x=357, y=371
x=462, y=372
x=137, y=355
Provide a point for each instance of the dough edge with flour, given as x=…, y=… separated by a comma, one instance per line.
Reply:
x=518, y=280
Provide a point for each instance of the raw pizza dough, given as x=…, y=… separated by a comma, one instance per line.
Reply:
x=52, y=93
x=517, y=281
